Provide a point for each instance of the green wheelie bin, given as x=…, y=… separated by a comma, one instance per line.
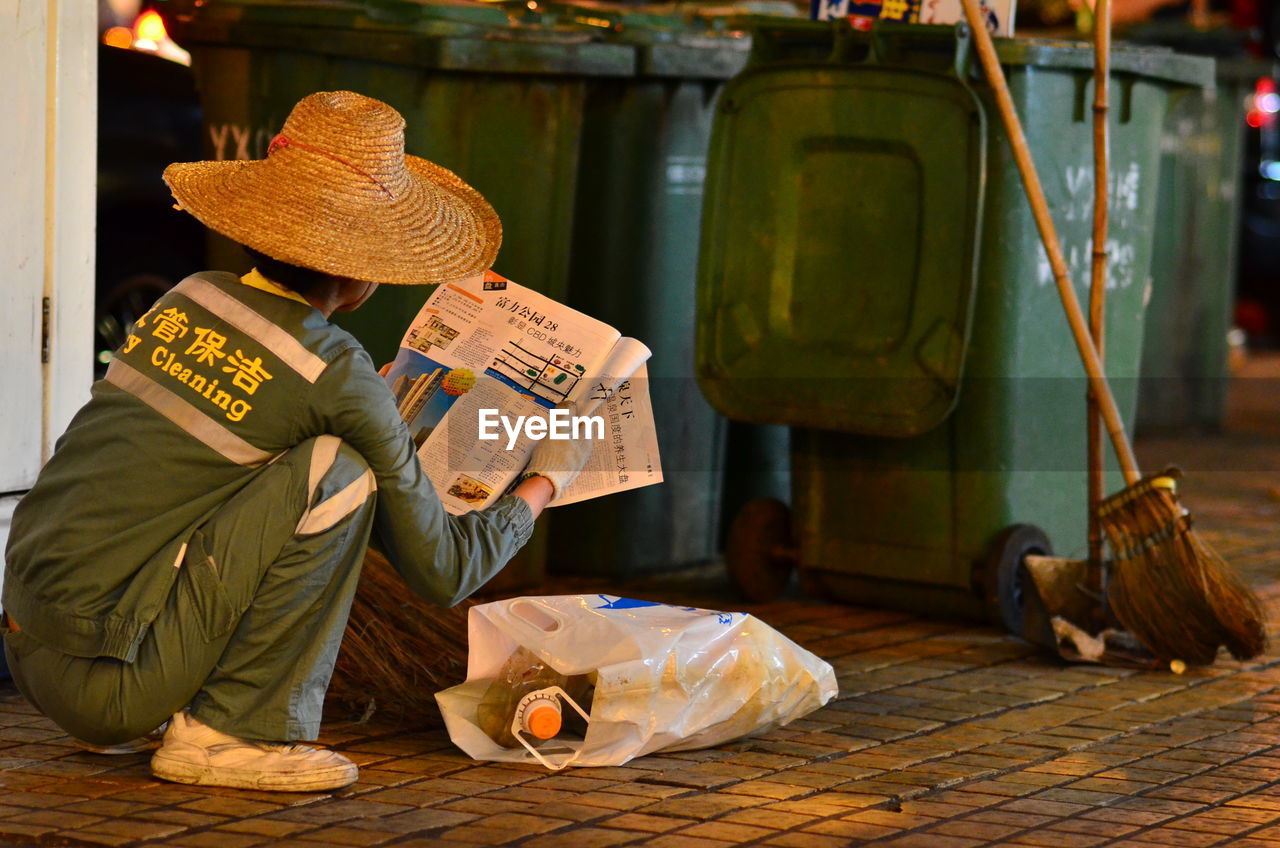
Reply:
x=1193, y=273
x=634, y=262
x=499, y=103
x=872, y=277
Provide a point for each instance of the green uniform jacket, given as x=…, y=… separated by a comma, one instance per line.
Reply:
x=216, y=380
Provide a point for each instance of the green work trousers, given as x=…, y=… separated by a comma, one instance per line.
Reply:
x=249, y=635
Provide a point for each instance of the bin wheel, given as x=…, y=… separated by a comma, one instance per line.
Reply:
x=757, y=550
x=1005, y=576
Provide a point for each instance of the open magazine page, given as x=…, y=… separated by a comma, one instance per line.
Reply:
x=627, y=456
x=498, y=346
x=624, y=359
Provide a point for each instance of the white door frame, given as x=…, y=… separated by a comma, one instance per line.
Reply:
x=48, y=165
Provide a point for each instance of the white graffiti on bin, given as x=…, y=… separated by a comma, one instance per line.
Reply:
x=1120, y=261
x=1123, y=191
x=1075, y=214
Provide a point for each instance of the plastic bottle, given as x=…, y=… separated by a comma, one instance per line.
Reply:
x=543, y=718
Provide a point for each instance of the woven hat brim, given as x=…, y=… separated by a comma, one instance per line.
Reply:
x=435, y=229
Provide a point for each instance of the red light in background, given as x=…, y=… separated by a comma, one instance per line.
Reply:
x=1264, y=104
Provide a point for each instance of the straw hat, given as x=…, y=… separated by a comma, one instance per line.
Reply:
x=337, y=194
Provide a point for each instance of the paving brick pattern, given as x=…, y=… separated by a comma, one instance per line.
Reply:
x=944, y=735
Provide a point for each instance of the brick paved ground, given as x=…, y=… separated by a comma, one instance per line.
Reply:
x=944, y=734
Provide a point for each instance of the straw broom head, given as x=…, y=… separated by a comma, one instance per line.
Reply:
x=1167, y=586
x=398, y=650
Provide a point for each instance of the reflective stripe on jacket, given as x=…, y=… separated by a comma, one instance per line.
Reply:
x=215, y=380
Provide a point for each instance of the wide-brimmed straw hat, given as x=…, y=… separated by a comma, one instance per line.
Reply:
x=338, y=194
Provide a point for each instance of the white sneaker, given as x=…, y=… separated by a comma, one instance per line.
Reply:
x=195, y=753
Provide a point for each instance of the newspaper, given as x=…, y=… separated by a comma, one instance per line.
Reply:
x=480, y=358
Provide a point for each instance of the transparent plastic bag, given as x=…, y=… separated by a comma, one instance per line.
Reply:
x=666, y=678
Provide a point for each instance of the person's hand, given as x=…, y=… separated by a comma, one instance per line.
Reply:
x=560, y=460
x=536, y=491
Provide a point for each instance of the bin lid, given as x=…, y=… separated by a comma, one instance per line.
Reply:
x=840, y=243
x=925, y=45
x=1157, y=64
x=1229, y=47
x=443, y=17
x=1179, y=34
x=668, y=39
x=455, y=35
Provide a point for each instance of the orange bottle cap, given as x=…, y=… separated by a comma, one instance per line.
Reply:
x=543, y=721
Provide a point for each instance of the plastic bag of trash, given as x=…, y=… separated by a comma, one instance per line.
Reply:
x=636, y=677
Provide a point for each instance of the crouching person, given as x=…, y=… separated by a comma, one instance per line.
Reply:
x=190, y=552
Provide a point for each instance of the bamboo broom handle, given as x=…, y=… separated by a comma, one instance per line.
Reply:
x=1101, y=154
x=1044, y=223
x=1098, y=277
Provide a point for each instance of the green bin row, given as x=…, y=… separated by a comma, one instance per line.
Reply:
x=872, y=277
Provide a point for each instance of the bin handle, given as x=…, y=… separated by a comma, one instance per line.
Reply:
x=767, y=42
x=883, y=53
x=960, y=63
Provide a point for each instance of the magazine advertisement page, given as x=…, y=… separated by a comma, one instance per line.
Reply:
x=487, y=368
